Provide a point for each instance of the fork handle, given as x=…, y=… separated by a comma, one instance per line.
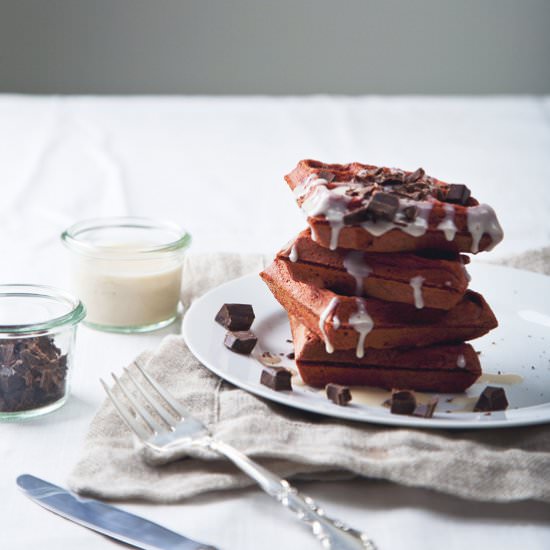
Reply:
x=331, y=533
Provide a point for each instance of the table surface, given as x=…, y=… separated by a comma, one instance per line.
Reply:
x=215, y=166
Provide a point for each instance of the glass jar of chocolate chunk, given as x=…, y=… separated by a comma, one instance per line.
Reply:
x=37, y=334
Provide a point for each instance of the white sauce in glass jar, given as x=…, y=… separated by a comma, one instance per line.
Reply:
x=126, y=293
x=127, y=271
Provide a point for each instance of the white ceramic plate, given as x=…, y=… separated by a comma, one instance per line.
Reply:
x=515, y=356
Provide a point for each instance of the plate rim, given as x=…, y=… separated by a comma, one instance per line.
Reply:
x=481, y=421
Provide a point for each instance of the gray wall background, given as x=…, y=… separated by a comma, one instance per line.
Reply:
x=279, y=47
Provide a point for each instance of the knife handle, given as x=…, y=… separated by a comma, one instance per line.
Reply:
x=331, y=533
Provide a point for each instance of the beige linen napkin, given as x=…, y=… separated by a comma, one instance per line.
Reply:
x=489, y=465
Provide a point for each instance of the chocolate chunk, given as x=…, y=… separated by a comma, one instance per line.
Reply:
x=338, y=394
x=392, y=181
x=235, y=316
x=32, y=373
x=242, y=342
x=438, y=193
x=382, y=206
x=276, y=378
x=457, y=193
x=415, y=176
x=410, y=213
x=358, y=215
x=402, y=402
x=11, y=383
x=416, y=195
x=491, y=399
x=360, y=193
x=328, y=176
x=291, y=355
x=426, y=410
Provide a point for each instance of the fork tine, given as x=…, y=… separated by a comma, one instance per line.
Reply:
x=131, y=422
x=165, y=394
x=153, y=401
x=142, y=411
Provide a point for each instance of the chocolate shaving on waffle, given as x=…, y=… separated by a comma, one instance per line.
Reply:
x=415, y=186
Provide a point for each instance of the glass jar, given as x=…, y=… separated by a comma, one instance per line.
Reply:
x=127, y=271
x=37, y=335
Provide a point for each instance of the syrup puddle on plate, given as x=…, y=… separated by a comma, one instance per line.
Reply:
x=505, y=379
x=378, y=397
x=459, y=403
x=372, y=397
x=448, y=403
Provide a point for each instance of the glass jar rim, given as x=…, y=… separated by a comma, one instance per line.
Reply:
x=76, y=313
x=70, y=236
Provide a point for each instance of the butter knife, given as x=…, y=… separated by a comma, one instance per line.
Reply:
x=104, y=518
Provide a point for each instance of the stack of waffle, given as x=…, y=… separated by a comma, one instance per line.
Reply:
x=376, y=289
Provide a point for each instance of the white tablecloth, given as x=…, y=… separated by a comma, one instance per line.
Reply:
x=215, y=166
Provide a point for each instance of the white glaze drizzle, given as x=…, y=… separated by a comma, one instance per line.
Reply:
x=304, y=188
x=461, y=361
x=481, y=220
x=448, y=224
x=376, y=229
x=332, y=203
x=419, y=226
x=362, y=323
x=293, y=256
x=355, y=265
x=415, y=228
x=336, y=322
x=335, y=228
x=416, y=283
x=322, y=320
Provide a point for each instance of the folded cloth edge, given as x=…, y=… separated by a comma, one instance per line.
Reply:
x=516, y=472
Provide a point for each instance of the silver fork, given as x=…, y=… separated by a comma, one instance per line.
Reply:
x=180, y=431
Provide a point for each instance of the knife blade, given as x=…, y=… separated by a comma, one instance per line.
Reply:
x=104, y=518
